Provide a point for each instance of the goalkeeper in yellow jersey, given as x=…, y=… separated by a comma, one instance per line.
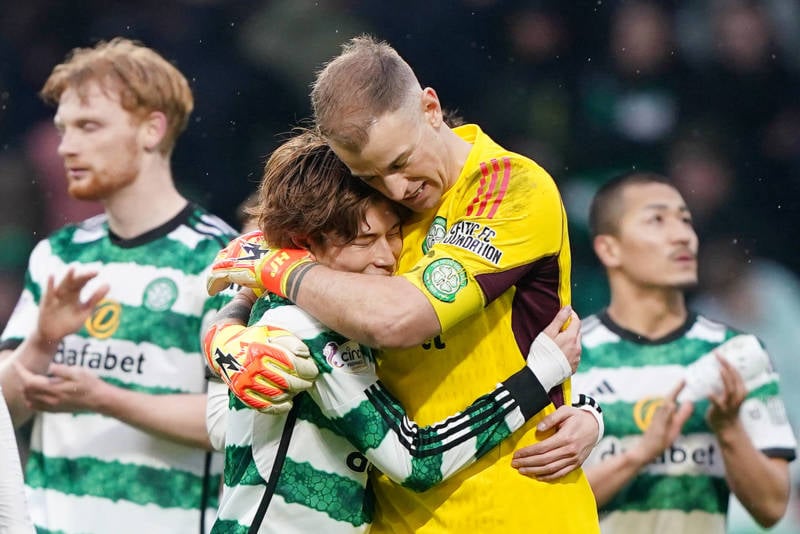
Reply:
x=310, y=464
x=485, y=266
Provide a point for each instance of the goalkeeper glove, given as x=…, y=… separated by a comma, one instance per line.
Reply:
x=248, y=261
x=264, y=367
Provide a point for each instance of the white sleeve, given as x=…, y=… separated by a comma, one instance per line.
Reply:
x=217, y=413
x=763, y=415
x=14, y=517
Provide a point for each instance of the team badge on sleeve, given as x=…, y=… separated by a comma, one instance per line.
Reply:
x=435, y=234
x=444, y=278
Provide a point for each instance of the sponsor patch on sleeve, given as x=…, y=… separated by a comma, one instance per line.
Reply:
x=347, y=356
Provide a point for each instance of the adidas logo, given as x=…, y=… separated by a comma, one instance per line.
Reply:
x=604, y=388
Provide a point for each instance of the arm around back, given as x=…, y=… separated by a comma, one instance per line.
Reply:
x=382, y=311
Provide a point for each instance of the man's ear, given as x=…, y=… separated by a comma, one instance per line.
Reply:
x=153, y=128
x=431, y=107
x=606, y=247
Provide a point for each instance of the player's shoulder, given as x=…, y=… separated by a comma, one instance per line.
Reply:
x=71, y=235
x=275, y=311
x=200, y=233
x=595, y=332
x=590, y=324
x=206, y=224
x=508, y=169
x=494, y=160
x=709, y=329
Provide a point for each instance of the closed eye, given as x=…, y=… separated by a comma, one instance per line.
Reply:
x=363, y=243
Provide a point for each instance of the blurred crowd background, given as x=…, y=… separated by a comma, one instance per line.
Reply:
x=705, y=91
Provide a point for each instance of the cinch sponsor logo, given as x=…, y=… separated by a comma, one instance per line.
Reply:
x=347, y=356
x=476, y=238
x=101, y=357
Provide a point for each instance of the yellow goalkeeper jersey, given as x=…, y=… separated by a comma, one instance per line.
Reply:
x=494, y=262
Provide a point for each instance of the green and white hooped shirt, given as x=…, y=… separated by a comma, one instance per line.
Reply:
x=88, y=473
x=684, y=490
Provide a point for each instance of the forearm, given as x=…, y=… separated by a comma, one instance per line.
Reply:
x=403, y=450
x=13, y=508
x=610, y=476
x=237, y=310
x=588, y=404
x=36, y=355
x=180, y=417
x=381, y=311
x=217, y=413
x=760, y=483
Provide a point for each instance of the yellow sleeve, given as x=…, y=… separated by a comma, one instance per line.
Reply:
x=499, y=222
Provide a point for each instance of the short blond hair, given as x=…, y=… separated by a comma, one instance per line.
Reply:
x=146, y=82
x=366, y=80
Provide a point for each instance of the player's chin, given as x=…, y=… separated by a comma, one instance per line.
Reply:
x=682, y=280
x=87, y=191
x=686, y=283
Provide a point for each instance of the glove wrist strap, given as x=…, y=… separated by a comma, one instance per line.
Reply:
x=291, y=283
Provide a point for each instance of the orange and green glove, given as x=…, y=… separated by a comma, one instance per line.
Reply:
x=248, y=261
x=264, y=367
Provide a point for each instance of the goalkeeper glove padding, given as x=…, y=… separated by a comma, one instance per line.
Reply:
x=264, y=367
x=248, y=261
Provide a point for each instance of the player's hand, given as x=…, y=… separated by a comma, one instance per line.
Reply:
x=61, y=311
x=724, y=409
x=237, y=263
x=556, y=352
x=64, y=389
x=264, y=367
x=665, y=425
x=249, y=262
x=576, y=433
x=566, y=336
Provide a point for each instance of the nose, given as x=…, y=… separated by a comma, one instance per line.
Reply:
x=395, y=186
x=66, y=145
x=386, y=253
x=682, y=232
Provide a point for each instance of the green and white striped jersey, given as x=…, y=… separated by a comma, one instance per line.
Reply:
x=88, y=473
x=307, y=471
x=684, y=490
